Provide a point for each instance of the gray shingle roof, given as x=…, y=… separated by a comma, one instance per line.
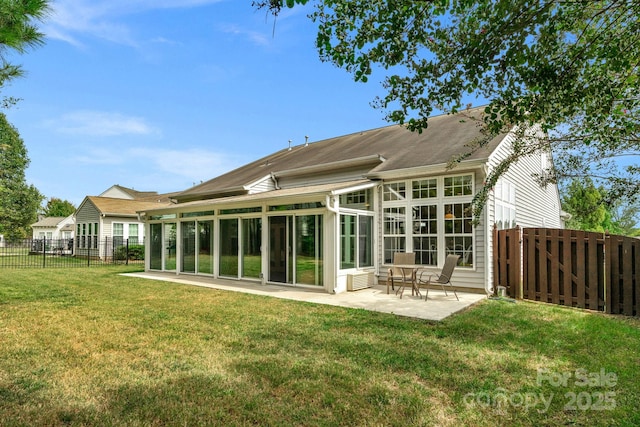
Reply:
x=445, y=137
x=49, y=221
x=124, y=207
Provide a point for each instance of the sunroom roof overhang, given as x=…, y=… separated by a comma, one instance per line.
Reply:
x=302, y=193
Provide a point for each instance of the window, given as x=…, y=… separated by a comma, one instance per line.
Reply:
x=425, y=188
x=96, y=237
x=118, y=234
x=296, y=206
x=458, y=185
x=251, y=247
x=365, y=241
x=425, y=234
x=133, y=234
x=505, y=205
x=357, y=200
x=440, y=215
x=356, y=241
x=393, y=232
x=238, y=211
x=394, y=191
x=228, y=257
x=347, y=241
x=192, y=214
x=458, y=232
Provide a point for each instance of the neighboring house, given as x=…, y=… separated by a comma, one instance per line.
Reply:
x=58, y=232
x=53, y=227
x=107, y=221
x=332, y=213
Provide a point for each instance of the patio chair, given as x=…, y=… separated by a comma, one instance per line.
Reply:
x=443, y=278
x=396, y=275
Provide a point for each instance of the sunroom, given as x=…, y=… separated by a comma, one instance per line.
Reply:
x=306, y=237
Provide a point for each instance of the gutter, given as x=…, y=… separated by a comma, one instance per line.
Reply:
x=331, y=208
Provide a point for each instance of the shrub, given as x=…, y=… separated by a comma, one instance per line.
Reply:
x=136, y=253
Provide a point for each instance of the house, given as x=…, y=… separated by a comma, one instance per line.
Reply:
x=331, y=214
x=58, y=232
x=110, y=220
x=53, y=227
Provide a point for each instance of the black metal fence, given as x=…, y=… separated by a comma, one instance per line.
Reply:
x=66, y=253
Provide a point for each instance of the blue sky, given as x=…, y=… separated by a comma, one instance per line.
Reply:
x=161, y=94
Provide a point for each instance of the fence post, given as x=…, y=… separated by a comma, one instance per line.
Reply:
x=126, y=262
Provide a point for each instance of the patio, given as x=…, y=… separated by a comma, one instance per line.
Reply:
x=375, y=298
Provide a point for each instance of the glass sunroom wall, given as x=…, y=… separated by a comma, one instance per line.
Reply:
x=205, y=247
x=188, y=234
x=251, y=247
x=155, y=240
x=228, y=258
x=170, y=237
x=365, y=241
x=347, y=241
x=308, y=256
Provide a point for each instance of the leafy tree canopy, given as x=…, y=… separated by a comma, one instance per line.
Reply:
x=569, y=68
x=18, y=32
x=58, y=207
x=19, y=202
x=590, y=210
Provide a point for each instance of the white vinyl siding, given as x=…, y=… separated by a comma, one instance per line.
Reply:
x=535, y=206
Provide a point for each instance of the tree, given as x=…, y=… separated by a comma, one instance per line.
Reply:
x=626, y=217
x=586, y=205
x=17, y=33
x=568, y=68
x=19, y=202
x=58, y=207
x=590, y=210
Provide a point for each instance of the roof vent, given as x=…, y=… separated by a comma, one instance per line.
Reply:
x=306, y=140
x=290, y=145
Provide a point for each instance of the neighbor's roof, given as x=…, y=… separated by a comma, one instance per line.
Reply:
x=50, y=221
x=124, y=207
x=395, y=146
x=149, y=196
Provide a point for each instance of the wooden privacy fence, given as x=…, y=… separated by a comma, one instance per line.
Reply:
x=575, y=268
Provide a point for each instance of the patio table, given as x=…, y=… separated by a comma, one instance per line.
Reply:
x=413, y=270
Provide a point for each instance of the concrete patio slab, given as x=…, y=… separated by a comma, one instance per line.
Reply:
x=438, y=306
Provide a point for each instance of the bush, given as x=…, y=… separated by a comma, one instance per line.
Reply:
x=136, y=253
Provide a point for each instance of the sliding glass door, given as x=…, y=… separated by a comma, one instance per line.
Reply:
x=295, y=249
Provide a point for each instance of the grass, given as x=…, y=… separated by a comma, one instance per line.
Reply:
x=96, y=348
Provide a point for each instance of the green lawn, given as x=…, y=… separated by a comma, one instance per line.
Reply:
x=90, y=347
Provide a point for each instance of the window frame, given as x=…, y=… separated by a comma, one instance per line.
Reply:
x=433, y=193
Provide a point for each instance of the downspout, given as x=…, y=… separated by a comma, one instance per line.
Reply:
x=336, y=224
x=275, y=181
x=488, y=237
x=328, y=203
